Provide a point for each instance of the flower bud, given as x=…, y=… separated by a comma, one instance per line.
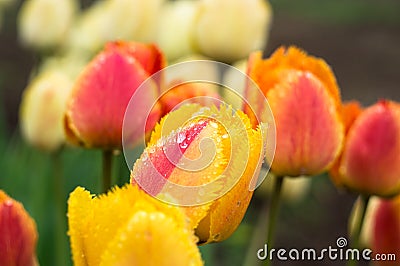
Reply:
x=128, y=227
x=42, y=109
x=304, y=98
x=18, y=235
x=370, y=162
x=97, y=104
x=45, y=23
x=228, y=30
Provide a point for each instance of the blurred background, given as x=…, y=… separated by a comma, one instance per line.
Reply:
x=360, y=39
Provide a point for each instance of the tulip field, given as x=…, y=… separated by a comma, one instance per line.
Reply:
x=199, y=132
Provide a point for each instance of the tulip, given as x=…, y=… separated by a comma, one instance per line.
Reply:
x=370, y=162
x=386, y=230
x=304, y=98
x=110, y=20
x=204, y=160
x=349, y=112
x=229, y=30
x=45, y=23
x=128, y=227
x=176, y=27
x=97, y=104
x=42, y=109
x=18, y=234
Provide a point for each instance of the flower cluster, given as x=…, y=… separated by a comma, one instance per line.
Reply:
x=193, y=181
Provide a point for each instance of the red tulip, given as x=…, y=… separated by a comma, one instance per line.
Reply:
x=97, y=104
x=386, y=231
x=18, y=235
x=371, y=157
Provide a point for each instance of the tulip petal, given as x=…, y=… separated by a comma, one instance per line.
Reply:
x=18, y=235
x=386, y=230
x=120, y=226
x=98, y=102
x=349, y=112
x=371, y=158
x=146, y=240
x=268, y=73
x=79, y=213
x=237, y=158
x=305, y=118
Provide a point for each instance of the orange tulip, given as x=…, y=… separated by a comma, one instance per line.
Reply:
x=18, y=235
x=349, y=112
x=370, y=162
x=304, y=99
x=203, y=159
x=386, y=231
x=97, y=104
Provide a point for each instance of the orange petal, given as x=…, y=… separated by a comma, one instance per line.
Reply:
x=349, y=112
x=97, y=105
x=267, y=73
x=18, y=235
x=371, y=157
x=309, y=129
x=386, y=230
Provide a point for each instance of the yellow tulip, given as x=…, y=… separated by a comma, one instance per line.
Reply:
x=128, y=227
x=224, y=172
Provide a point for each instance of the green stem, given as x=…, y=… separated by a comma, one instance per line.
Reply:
x=107, y=168
x=273, y=213
x=257, y=240
x=60, y=228
x=355, y=240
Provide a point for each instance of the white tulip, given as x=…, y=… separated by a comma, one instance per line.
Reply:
x=175, y=28
x=42, y=110
x=45, y=23
x=228, y=30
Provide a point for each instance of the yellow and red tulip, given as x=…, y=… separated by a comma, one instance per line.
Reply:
x=97, y=104
x=236, y=157
x=386, y=230
x=18, y=235
x=370, y=161
x=128, y=227
x=304, y=99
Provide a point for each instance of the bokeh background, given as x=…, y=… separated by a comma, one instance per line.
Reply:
x=360, y=39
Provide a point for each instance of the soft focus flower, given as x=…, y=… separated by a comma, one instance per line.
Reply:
x=46, y=23
x=228, y=30
x=175, y=28
x=109, y=20
x=97, y=104
x=370, y=161
x=349, y=112
x=386, y=230
x=232, y=159
x=128, y=227
x=304, y=99
x=18, y=235
x=42, y=109
x=367, y=228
